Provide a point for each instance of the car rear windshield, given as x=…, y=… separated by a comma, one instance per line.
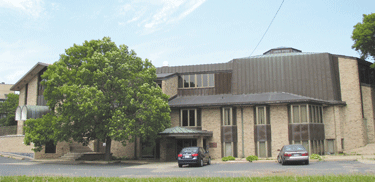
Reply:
x=193, y=150
x=294, y=148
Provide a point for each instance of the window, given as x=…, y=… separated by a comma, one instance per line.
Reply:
x=190, y=117
x=306, y=114
x=261, y=115
x=229, y=116
x=50, y=147
x=196, y=81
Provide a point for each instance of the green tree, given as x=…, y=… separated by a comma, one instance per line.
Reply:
x=8, y=107
x=364, y=36
x=100, y=91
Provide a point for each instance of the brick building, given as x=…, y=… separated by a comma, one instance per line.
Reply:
x=247, y=106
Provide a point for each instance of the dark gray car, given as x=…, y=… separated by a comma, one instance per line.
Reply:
x=293, y=153
x=193, y=155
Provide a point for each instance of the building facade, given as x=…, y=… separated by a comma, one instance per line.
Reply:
x=247, y=106
x=4, y=91
x=255, y=105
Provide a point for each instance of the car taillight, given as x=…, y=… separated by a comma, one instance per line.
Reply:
x=305, y=154
x=287, y=155
x=194, y=155
x=179, y=155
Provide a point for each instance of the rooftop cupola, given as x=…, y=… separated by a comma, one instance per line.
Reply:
x=281, y=50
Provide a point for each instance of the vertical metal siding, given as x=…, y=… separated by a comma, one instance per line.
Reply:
x=306, y=74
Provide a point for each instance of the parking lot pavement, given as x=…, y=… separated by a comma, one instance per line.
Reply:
x=10, y=167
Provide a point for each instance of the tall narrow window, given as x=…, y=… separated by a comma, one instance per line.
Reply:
x=191, y=117
x=26, y=89
x=303, y=110
x=296, y=114
x=211, y=80
x=186, y=81
x=192, y=81
x=227, y=116
x=199, y=80
x=185, y=117
x=261, y=115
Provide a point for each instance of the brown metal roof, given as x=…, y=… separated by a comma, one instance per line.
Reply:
x=246, y=99
x=28, y=76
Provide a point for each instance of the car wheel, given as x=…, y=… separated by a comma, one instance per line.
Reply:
x=209, y=161
x=307, y=162
x=179, y=165
x=278, y=159
x=283, y=162
x=201, y=163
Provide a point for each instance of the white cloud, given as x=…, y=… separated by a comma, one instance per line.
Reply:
x=152, y=16
x=33, y=8
x=19, y=56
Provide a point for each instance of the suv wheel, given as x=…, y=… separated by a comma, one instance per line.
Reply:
x=209, y=161
x=179, y=165
x=201, y=163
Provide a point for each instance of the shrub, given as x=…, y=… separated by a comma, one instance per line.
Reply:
x=231, y=158
x=316, y=156
x=225, y=159
x=251, y=158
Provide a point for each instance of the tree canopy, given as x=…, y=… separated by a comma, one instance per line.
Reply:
x=8, y=107
x=100, y=91
x=364, y=36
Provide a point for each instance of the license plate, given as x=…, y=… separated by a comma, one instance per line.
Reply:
x=296, y=154
x=187, y=156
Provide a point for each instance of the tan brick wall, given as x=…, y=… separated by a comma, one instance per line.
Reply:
x=211, y=121
x=32, y=91
x=368, y=111
x=175, y=117
x=279, y=128
x=14, y=144
x=21, y=97
x=62, y=148
x=245, y=136
x=5, y=89
x=169, y=86
x=120, y=150
x=334, y=120
x=350, y=93
x=20, y=125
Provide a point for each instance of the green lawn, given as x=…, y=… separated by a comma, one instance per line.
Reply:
x=359, y=178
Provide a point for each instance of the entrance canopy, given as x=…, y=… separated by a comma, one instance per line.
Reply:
x=185, y=132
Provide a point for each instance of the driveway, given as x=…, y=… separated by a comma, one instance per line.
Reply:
x=11, y=167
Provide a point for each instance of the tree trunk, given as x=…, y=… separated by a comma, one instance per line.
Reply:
x=135, y=148
x=107, y=155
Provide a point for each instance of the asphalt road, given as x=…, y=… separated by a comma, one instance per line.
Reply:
x=11, y=167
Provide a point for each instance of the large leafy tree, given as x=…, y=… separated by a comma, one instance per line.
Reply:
x=8, y=107
x=364, y=36
x=100, y=91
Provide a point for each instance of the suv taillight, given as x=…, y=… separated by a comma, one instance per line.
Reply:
x=179, y=155
x=194, y=155
x=305, y=154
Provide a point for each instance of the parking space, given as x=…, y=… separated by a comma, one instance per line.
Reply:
x=9, y=167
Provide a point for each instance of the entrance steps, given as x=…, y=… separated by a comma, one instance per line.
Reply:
x=77, y=150
x=71, y=156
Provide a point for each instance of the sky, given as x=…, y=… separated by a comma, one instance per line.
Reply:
x=180, y=32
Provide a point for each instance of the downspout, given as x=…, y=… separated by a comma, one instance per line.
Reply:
x=243, y=142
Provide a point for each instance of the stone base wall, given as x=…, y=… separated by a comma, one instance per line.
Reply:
x=62, y=148
x=14, y=143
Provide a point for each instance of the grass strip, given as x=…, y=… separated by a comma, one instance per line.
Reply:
x=330, y=178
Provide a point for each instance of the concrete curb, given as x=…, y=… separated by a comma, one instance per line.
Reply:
x=15, y=156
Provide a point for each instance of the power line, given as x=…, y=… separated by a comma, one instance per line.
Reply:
x=267, y=29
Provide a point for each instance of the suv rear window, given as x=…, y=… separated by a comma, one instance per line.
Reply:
x=193, y=150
